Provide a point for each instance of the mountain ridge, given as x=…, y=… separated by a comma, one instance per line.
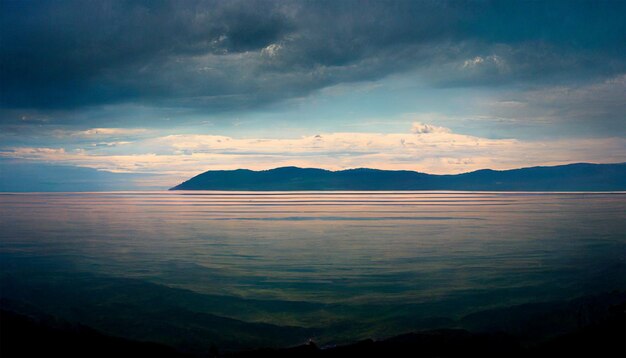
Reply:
x=568, y=177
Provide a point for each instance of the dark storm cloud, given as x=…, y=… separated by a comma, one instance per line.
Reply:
x=225, y=55
x=85, y=52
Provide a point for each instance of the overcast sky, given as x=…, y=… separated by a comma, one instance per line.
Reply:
x=167, y=90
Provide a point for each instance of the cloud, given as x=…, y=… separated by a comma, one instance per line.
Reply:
x=217, y=56
x=482, y=65
x=482, y=61
x=37, y=152
x=100, y=132
x=422, y=128
x=110, y=144
x=431, y=149
x=272, y=50
x=589, y=109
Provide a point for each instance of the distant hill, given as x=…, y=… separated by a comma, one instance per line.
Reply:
x=571, y=177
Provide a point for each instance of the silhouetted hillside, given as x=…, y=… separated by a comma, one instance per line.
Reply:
x=603, y=338
x=572, y=177
x=23, y=336
x=603, y=335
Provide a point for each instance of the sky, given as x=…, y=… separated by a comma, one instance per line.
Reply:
x=155, y=92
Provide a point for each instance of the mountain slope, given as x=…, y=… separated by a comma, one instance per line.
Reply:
x=571, y=177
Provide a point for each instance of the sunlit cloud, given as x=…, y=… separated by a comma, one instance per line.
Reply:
x=99, y=132
x=421, y=128
x=426, y=148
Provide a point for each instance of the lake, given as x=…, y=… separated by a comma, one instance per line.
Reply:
x=277, y=268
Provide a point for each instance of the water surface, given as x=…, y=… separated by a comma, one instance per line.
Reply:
x=384, y=260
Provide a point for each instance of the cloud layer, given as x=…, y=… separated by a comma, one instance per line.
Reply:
x=426, y=148
x=228, y=55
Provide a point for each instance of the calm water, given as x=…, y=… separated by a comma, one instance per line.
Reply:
x=353, y=257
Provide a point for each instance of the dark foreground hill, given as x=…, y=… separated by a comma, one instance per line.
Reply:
x=571, y=177
x=23, y=336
